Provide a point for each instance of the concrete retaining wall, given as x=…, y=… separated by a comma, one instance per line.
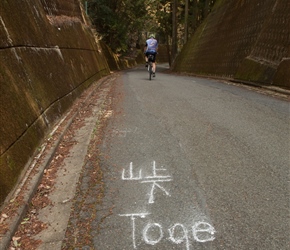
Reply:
x=245, y=39
x=48, y=56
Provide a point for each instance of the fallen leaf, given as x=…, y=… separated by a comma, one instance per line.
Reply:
x=15, y=243
x=16, y=238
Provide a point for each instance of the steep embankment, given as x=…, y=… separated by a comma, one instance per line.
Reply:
x=246, y=39
x=48, y=56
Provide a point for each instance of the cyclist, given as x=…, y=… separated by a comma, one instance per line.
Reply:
x=151, y=47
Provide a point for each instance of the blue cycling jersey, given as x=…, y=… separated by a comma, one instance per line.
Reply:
x=152, y=45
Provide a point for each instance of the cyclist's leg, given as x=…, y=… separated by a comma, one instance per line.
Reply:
x=153, y=69
x=154, y=64
x=146, y=59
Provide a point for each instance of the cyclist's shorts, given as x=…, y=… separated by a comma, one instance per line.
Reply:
x=153, y=54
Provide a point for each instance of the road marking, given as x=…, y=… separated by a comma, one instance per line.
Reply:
x=153, y=232
x=201, y=232
x=155, y=178
x=131, y=175
x=141, y=215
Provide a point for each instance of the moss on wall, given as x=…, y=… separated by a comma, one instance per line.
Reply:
x=119, y=63
x=255, y=71
x=163, y=56
x=48, y=57
x=112, y=59
x=282, y=76
x=247, y=40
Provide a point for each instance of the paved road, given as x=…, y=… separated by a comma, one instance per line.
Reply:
x=191, y=163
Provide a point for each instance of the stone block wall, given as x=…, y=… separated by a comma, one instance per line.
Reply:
x=163, y=55
x=245, y=39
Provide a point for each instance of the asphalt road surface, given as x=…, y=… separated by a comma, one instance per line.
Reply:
x=192, y=163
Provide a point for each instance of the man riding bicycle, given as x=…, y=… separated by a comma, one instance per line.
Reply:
x=151, y=48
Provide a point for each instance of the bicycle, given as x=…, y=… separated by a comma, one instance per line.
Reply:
x=150, y=66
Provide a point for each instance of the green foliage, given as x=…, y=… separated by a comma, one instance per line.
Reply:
x=121, y=23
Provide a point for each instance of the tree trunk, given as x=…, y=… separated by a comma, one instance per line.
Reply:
x=186, y=22
x=206, y=8
x=168, y=50
x=174, y=30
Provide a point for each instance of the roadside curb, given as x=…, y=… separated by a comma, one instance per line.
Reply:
x=13, y=225
x=273, y=88
x=268, y=87
x=35, y=180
